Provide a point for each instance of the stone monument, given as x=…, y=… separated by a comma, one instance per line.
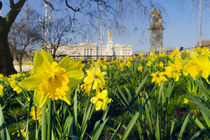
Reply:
x=156, y=31
x=110, y=46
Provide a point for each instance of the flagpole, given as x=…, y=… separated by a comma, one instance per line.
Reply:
x=200, y=15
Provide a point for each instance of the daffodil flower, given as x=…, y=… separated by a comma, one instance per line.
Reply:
x=158, y=77
x=51, y=80
x=1, y=90
x=94, y=79
x=101, y=100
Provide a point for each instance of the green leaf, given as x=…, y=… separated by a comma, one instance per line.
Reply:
x=135, y=117
x=116, y=131
x=157, y=128
x=122, y=95
x=75, y=110
x=206, y=118
x=97, y=134
x=139, y=88
x=200, y=132
x=128, y=93
x=3, y=127
x=130, y=126
x=172, y=127
x=206, y=92
x=68, y=129
x=199, y=124
x=184, y=125
x=202, y=107
x=141, y=85
x=148, y=117
x=160, y=94
x=87, y=115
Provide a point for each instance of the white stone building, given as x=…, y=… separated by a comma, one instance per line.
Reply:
x=87, y=50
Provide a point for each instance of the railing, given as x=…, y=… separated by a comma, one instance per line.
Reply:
x=94, y=57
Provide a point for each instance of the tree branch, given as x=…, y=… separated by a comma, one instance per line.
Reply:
x=12, y=14
x=12, y=4
x=74, y=9
x=50, y=4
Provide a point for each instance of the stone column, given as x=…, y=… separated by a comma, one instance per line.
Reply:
x=156, y=32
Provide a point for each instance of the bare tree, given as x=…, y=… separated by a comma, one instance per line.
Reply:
x=24, y=36
x=59, y=32
x=113, y=9
x=6, y=60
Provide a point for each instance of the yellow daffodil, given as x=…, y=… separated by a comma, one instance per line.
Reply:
x=23, y=132
x=195, y=112
x=205, y=51
x=1, y=90
x=128, y=63
x=101, y=100
x=94, y=79
x=153, y=56
x=186, y=101
x=174, y=54
x=163, y=53
x=141, y=54
x=198, y=66
x=187, y=52
x=158, y=78
x=98, y=63
x=36, y=115
x=1, y=77
x=171, y=72
x=161, y=64
x=14, y=85
x=149, y=63
x=51, y=80
x=104, y=67
x=140, y=68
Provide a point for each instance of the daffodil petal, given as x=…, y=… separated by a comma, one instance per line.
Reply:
x=66, y=99
x=104, y=106
x=32, y=82
x=76, y=74
x=94, y=99
x=42, y=61
x=64, y=63
x=39, y=99
x=103, y=94
x=76, y=77
x=99, y=105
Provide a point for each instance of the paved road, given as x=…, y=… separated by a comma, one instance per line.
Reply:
x=24, y=67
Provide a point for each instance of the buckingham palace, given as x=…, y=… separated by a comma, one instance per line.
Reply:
x=90, y=50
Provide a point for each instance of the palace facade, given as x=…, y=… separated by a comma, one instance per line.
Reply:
x=87, y=50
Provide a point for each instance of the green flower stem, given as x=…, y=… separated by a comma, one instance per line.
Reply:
x=44, y=121
x=50, y=104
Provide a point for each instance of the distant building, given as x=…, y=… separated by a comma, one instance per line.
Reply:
x=204, y=43
x=87, y=50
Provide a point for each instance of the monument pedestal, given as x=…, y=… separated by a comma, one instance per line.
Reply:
x=156, y=32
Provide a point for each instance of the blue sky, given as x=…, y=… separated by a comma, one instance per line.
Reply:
x=181, y=23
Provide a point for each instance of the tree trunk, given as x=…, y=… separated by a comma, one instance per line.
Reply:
x=6, y=60
x=20, y=65
x=21, y=61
